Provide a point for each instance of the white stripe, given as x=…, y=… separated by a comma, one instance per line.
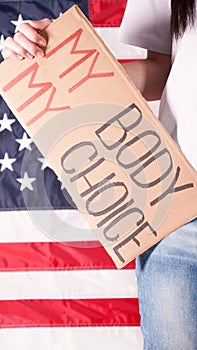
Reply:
x=40, y=226
x=120, y=50
x=68, y=284
x=75, y=338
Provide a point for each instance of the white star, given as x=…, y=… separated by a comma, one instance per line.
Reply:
x=24, y=142
x=7, y=162
x=44, y=163
x=18, y=22
x=26, y=182
x=2, y=42
x=6, y=123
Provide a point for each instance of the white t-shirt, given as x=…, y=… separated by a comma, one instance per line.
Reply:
x=146, y=23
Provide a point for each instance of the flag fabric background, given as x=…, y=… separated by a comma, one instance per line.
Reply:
x=64, y=294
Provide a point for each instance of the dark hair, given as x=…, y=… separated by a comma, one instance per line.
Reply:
x=183, y=14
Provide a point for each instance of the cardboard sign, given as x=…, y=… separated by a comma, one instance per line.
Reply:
x=124, y=172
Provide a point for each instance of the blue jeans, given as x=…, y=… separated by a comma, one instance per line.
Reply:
x=167, y=289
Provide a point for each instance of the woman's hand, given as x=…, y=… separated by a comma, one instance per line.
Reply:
x=28, y=42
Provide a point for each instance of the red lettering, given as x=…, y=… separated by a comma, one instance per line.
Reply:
x=90, y=75
x=76, y=35
x=47, y=108
x=43, y=88
x=87, y=53
x=33, y=71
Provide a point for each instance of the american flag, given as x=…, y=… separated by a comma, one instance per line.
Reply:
x=57, y=294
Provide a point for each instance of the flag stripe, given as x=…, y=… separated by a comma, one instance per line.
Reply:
x=55, y=256
x=68, y=284
x=108, y=13
x=28, y=226
x=70, y=313
x=72, y=338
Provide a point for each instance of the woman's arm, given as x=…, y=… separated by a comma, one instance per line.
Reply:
x=149, y=75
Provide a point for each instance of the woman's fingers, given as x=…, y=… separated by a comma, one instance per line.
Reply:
x=31, y=30
x=8, y=53
x=31, y=34
x=14, y=50
x=28, y=42
x=31, y=48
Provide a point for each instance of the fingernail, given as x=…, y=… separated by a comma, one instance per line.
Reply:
x=29, y=55
x=42, y=42
x=19, y=57
x=40, y=54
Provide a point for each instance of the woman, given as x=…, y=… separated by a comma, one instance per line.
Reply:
x=167, y=273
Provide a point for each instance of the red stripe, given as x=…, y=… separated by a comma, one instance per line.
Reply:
x=108, y=13
x=69, y=313
x=122, y=60
x=55, y=256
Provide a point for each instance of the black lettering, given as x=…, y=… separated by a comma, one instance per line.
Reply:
x=97, y=185
x=172, y=189
x=87, y=170
x=104, y=189
x=114, y=213
x=147, y=163
x=125, y=128
x=118, y=219
x=132, y=142
x=130, y=238
x=74, y=149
